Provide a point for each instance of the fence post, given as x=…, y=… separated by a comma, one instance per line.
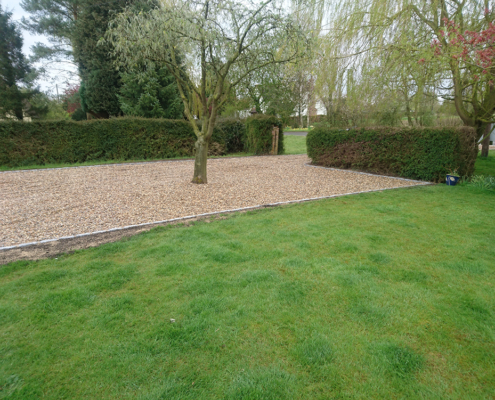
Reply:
x=275, y=133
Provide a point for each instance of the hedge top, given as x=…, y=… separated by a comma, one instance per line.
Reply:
x=126, y=138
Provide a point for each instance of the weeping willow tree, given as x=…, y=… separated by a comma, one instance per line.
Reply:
x=220, y=41
x=435, y=48
x=311, y=15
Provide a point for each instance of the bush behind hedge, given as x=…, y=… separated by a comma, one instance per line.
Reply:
x=231, y=132
x=259, y=134
x=418, y=153
x=41, y=142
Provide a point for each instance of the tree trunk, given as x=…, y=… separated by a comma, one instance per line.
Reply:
x=408, y=112
x=308, y=122
x=485, y=144
x=201, y=157
x=19, y=113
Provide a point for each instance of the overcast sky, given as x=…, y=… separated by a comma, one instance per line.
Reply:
x=29, y=40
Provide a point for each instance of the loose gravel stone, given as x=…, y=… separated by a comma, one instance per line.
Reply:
x=44, y=204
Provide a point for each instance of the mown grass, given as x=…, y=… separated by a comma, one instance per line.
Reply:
x=486, y=165
x=374, y=296
x=295, y=144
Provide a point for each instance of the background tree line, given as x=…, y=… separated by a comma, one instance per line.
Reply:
x=74, y=28
x=412, y=62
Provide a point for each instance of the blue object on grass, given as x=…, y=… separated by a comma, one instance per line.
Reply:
x=452, y=180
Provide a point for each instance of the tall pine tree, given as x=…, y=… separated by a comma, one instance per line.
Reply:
x=101, y=81
x=55, y=19
x=15, y=73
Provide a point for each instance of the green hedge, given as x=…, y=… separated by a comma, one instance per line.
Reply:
x=230, y=133
x=233, y=134
x=259, y=134
x=418, y=153
x=28, y=143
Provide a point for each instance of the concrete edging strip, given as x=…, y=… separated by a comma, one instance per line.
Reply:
x=257, y=207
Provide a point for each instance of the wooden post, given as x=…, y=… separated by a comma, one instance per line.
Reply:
x=276, y=140
x=273, y=141
x=275, y=133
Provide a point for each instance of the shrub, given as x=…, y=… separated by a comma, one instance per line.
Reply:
x=418, y=153
x=25, y=143
x=259, y=134
x=79, y=115
x=232, y=132
x=483, y=182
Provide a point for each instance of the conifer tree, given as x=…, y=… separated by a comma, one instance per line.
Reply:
x=15, y=73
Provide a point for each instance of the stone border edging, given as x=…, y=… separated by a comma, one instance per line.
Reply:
x=204, y=215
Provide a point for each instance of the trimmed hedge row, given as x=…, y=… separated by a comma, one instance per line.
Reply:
x=259, y=134
x=27, y=143
x=232, y=134
x=418, y=153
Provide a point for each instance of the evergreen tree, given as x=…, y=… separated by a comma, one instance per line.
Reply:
x=55, y=19
x=16, y=75
x=101, y=80
x=151, y=93
x=74, y=28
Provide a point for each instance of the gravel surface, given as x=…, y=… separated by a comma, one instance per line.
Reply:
x=51, y=203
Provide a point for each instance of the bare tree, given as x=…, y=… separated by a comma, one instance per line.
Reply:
x=209, y=46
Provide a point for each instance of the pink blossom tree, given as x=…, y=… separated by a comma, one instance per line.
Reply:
x=71, y=98
x=448, y=44
x=470, y=56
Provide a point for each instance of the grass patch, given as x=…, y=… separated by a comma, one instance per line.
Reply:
x=397, y=360
x=295, y=144
x=329, y=299
x=483, y=182
x=485, y=165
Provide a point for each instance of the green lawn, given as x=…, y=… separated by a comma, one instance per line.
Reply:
x=295, y=144
x=486, y=166
x=374, y=296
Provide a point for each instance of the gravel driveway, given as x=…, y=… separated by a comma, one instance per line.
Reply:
x=45, y=204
